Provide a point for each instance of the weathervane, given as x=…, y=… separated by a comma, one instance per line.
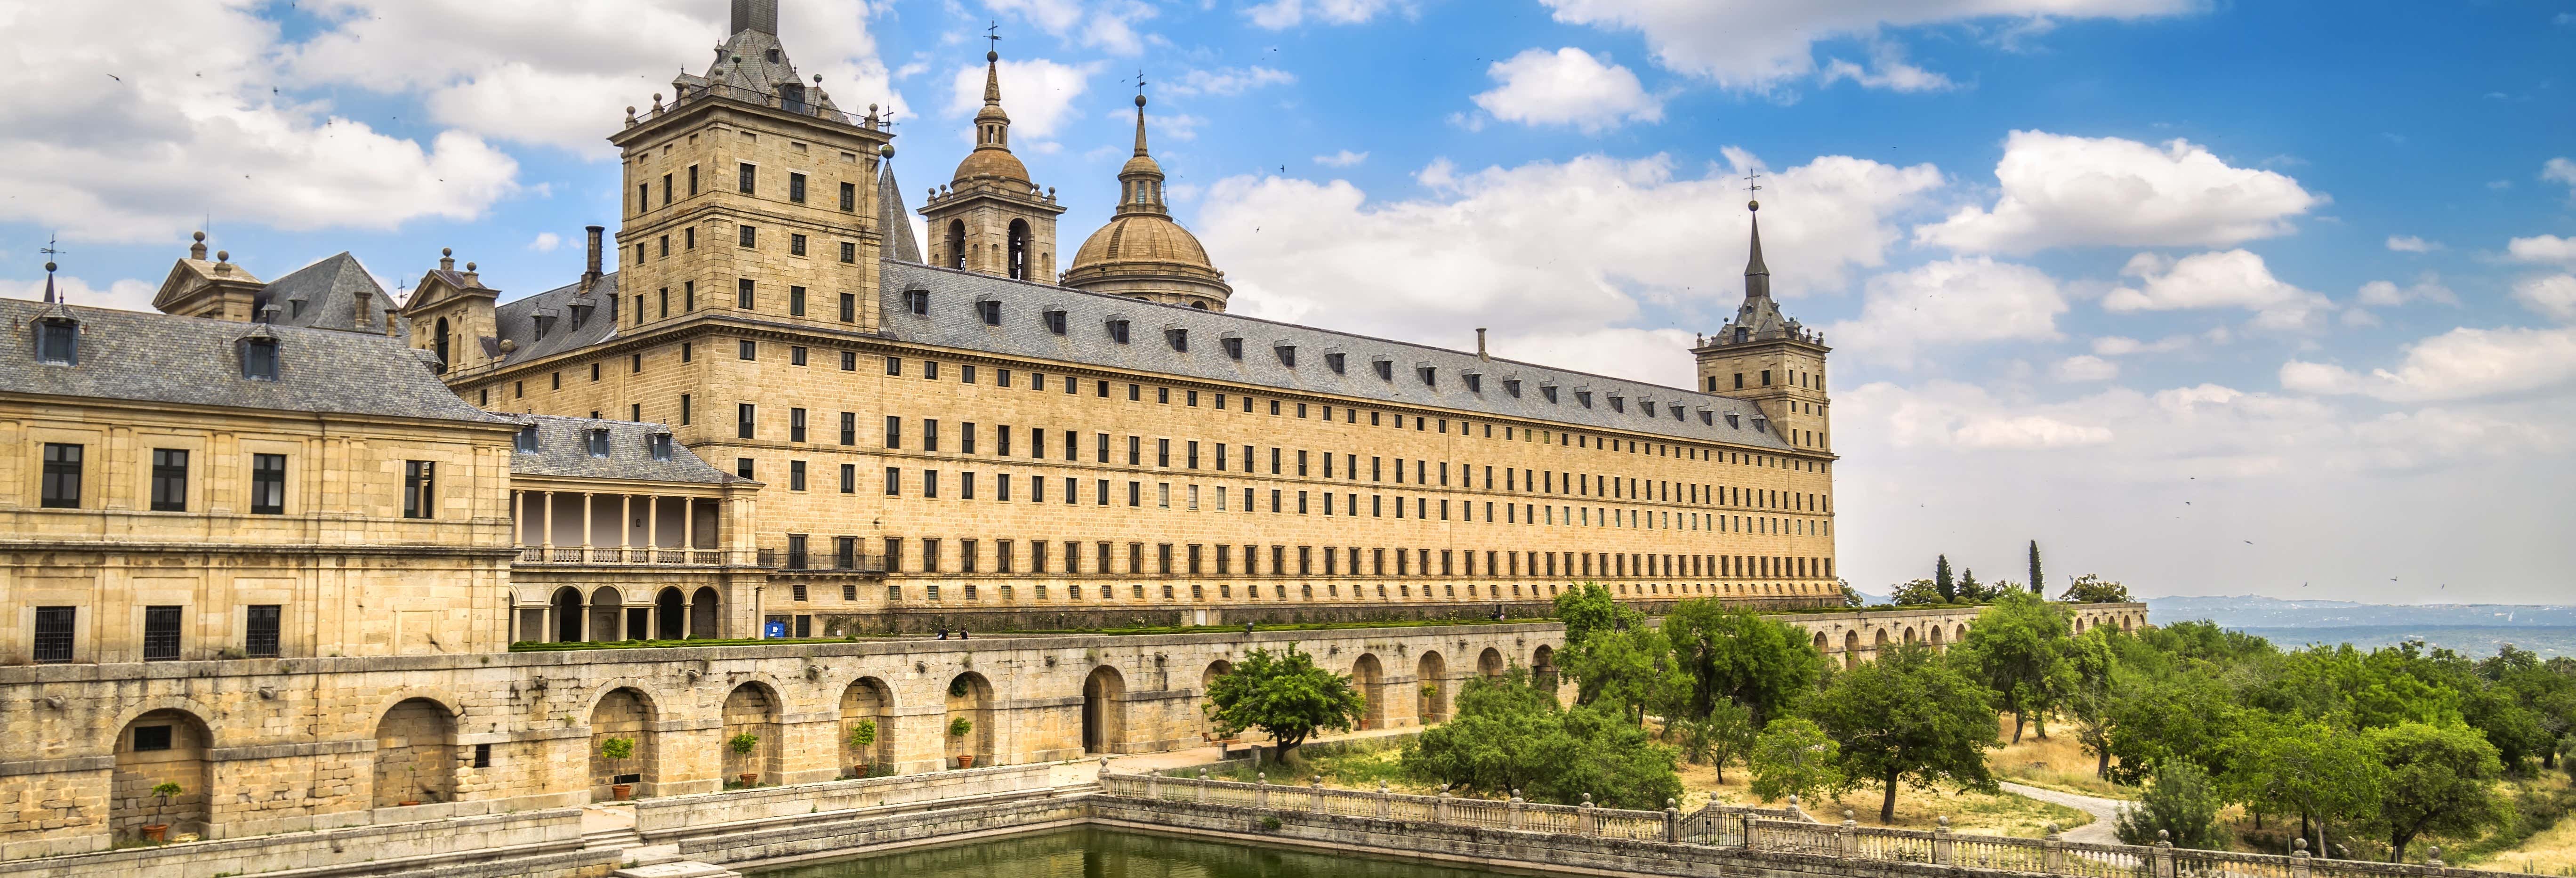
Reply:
x=994, y=33
x=49, y=252
x=1752, y=184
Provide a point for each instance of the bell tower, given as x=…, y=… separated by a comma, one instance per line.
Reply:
x=749, y=194
x=991, y=219
x=1769, y=360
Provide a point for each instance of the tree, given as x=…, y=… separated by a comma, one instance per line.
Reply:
x=1941, y=581
x=1920, y=592
x=1510, y=734
x=2441, y=780
x=1794, y=757
x=2018, y=649
x=1285, y=696
x=1968, y=588
x=1588, y=609
x=1628, y=671
x=2094, y=660
x=1732, y=655
x=1714, y=740
x=1910, y=716
x=1851, y=596
x=2183, y=804
x=2093, y=589
x=2323, y=773
x=2038, y=583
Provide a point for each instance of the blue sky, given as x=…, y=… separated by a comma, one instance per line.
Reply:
x=2212, y=298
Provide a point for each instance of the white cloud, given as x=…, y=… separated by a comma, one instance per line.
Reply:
x=2464, y=363
x=2560, y=170
x=2225, y=279
x=1888, y=70
x=1342, y=159
x=2542, y=249
x=1108, y=25
x=2085, y=367
x=131, y=121
x=2411, y=244
x=1760, y=45
x=127, y=293
x=1567, y=87
x=1962, y=301
x=2121, y=346
x=1038, y=93
x=1531, y=250
x=2387, y=294
x=546, y=242
x=1283, y=14
x=2059, y=191
x=2552, y=296
x=1229, y=81
x=562, y=73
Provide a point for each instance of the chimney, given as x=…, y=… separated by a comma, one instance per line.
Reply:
x=1480, y=344
x=590, y=271
x=759, y=15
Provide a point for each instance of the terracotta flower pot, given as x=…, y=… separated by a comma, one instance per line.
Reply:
x=749, y=779
x=408, y=802
x=621, y=791
x=859, y=770
x=965, y=760
x=156, y=832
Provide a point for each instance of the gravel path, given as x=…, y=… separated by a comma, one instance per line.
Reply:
x=2103, y=810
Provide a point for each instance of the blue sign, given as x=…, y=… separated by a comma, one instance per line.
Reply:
x=774, y=629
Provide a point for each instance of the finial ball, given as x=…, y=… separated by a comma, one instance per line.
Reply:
x=223, y=256
x=469, y=266
x=1753, y=205
x=49, y=268
x=1140, y=100
x=446, y=251
x=199, y=236
x=885, y=150
x=990, y=57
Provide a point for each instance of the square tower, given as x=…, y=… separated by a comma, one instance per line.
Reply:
x=991, y=219
x=1771, y=361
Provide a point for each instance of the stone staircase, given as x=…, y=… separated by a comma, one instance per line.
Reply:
x=611, y=827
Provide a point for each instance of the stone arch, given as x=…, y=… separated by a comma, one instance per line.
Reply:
x=568, y=614
x=1937, y=645
x=670, y=614
x=970, y=696
x=608, y=614
x=1431, y=677
x=1104, y=711
x=1369, y=678
x=163, y=746
x=1960, y=634
x=1820, y=643
x=624, y=712
x=1017, y=254
x=1489, y=664
x=2078, y=624
x=705, y=610
x=1851, y=650
x=867, y=700
x=750, y=709
x=1543, y=667
x=415, y=754
x=1909, y=635
x=2128, y=624
x=956, y=244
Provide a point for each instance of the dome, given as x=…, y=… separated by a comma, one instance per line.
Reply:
x=1148, y=256
x=992, y=163
x=1143, y=164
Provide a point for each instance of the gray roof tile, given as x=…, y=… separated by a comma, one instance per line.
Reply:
x=563, y=450
x=335, y=293
x=516, y=320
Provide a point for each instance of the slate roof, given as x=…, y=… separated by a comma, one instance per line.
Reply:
x=335, y=293
x=563, y=450
x=158, y=358
x=953, y=322
x=516, y=321
x=894, y=220
x=743, y=65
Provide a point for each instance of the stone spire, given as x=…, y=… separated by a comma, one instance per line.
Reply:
x=1142, y=253
x=1141, y=181
x=1757, y=276
x=992, y=154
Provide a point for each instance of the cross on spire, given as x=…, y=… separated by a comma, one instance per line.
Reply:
x=48, y=249
x=993, y=33
x=1753, y=182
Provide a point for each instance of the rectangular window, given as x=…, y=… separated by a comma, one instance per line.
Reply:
x=795, y=188
x=268, y=484
x=161, y=634
x=260, y=631
x=849, y=253
x=894, y=482
x=746, y=236
x=750, y=178
x=795, y=425
x=420, y=488
x=62, y=488
x=849, y=428
x=929, y=434
x=849, y=314
x=744, y=416
x=693, y=179
x=796, y=302
x=849, y=198
x=795, y=475
x=849, y=478
x=169, y=480
x=684, y=410
x=54, y=634
x=894, y=432
x=796, y=247
x=742, y=295
x=930, y=483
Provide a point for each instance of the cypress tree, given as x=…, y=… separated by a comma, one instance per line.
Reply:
x=2038, y=585
x=1941, y=581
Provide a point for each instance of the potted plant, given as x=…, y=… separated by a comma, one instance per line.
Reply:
x=742, y=745
x=157, y=832
x=411, y=785
x=619, y=750
x=958, y=728
x=862, y=736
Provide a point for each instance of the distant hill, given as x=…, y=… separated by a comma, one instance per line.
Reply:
x=2472, y=629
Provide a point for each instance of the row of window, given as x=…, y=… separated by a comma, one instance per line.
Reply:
x=1308, y=591
x=1195, y=559
x=57, y=628
x=65, y=474
x=746, y=181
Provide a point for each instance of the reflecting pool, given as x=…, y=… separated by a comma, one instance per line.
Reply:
x=1106, y=853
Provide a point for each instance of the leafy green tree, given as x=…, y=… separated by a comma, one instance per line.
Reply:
x=2441, y=780
x=2038, y=583
x=1851, y=596
x=1968, y=588
x=1909, y=716
x=2094, y=660
x=1917, y=593
x=1588, y=609
x=2093, y=589
x=1794, y=756
x=1285, y=696
x=1510, y=734
x=1942, y=582
x=2323, y=773
x=2018, y=648
x=1713, y=740
x=1631, y=672
x=1732, y=655
x=2158, y=717
x=2182, y=803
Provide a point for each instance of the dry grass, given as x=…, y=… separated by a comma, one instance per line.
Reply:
x=2056, y=763
x=2551, y=851
x=1916, y=808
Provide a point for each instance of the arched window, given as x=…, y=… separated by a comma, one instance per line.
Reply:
x=956, y=244
x=1019, y=252
x=442, y=344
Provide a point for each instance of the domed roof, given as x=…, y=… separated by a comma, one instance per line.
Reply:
x=1141, y=241
x=992, y=162
x=1143, y=164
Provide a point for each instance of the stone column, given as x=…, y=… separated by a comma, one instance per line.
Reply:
x=588, y=523
x=689, y=523
x=625, y=520
x=653, y=522
x=546, y=530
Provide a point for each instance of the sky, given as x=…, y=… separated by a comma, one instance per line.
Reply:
x=2206, y=297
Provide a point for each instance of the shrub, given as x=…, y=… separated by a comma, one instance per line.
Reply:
x=744, y=743
x=617, y=748
x=2182, y=803
x=863, y=734
x=166, y=790
x=958, y=727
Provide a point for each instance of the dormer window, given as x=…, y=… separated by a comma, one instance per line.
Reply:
x=1335, y=362
x=1178, y=338
x=1428, y=375
x=58, y=341
x=1618, y=403
x=259, y=359
x=1512, y=386
x=1742, y=333
x=598, y=442
x=527, y=440
x=1648, y=405
x=1761, y=424
x=1732, y=423
x=1549, y=391
x=294, y=308
x=1677, y=413
x=1233, y=347
x=1118, y=330
x=1385, y=369
x=1054, y=321
x=1707, y=418
x=917, y=301
x=1475, y=382
x=990, y=310
x=659, y=446
x=1288, y=355
x=1583, y=397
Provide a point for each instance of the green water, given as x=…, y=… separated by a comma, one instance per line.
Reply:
x=1101, y=853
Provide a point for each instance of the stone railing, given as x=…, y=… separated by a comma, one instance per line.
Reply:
x=661, y=557
x=1785, y=831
